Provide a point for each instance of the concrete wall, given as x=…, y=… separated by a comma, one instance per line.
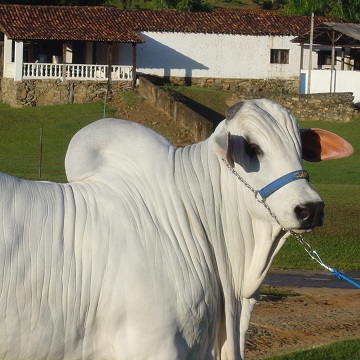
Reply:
x=200, y=127
x=340, y=81
x=55, y=92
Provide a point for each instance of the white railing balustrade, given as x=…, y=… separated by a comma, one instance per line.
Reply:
x=41, y=71
x=76, y=71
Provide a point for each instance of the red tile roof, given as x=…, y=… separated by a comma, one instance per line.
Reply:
x=90, y=23
x=245, y=22
x=97, y=23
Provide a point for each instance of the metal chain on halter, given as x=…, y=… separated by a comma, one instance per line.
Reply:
x=255, y=192
x=307, y=247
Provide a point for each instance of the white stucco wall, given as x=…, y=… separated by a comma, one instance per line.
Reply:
x=341, y=81
x=213, y=56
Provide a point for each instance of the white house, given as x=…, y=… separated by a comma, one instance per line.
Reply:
x=74, y=43
x=233, y=44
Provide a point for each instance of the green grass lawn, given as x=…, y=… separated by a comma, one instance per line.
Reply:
x=20, y=137
x=343, y=350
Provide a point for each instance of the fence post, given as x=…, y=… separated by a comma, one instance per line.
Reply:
x=40, y=152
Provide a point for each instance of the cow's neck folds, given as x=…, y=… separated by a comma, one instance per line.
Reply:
x=250, y=261
x=225, y=222
x=269, y=240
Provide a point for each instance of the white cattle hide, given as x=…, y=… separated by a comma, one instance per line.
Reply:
x=150, y=251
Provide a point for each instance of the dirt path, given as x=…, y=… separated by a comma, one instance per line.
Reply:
x=310, y=318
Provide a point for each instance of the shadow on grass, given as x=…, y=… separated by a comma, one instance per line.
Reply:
x=214, y=117
x=211, y=115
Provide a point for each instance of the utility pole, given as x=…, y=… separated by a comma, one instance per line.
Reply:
x=311, y=50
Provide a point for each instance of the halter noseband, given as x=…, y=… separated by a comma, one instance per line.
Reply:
x=269, y=189
x=283, y=180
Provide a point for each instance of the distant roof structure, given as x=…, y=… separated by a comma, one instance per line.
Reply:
x=107, y=23
x=333, y=33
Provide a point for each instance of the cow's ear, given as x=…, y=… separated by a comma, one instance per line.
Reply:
x=319, y=144
x=223, y=147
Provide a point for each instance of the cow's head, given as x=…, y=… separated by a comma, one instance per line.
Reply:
x=262, y=142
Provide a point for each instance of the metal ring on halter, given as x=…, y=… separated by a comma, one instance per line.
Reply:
x=260, y=200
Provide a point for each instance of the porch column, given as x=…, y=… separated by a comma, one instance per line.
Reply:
x=109, y=62
x=332, y=86
x=7, y=55
x=88, y=52
x=133, y=45
x=64, y=47
x=18, y=59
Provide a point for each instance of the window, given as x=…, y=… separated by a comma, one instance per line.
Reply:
x=324, y=58
x=279, y=56
x=355, y=54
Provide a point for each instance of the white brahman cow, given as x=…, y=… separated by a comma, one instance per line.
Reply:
x=151, y=251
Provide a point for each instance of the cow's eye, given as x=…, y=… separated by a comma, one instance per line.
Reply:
x=252, y=149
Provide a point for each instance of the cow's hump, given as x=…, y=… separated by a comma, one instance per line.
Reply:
x=109, y=144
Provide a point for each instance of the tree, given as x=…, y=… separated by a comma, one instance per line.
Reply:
x=56, y=2
x=270, y=4
x=184, y=5
x=345, y=9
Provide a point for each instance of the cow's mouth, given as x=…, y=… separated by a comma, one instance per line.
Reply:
x=302, y=230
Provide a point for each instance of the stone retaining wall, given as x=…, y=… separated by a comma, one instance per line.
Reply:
x=327, y=107
x=200, y=127
x=246, y=86
x=56, y=92
x=337, y=107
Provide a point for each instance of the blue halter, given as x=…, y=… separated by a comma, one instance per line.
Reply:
x=286, y=179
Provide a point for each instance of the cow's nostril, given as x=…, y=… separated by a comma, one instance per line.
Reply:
x=302, y=212
x=310, y=214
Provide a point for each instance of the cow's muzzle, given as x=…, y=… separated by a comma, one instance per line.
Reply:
x=310, y=215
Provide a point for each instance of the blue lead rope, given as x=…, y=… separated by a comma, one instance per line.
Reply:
x=341, y=276
x=315, y=256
